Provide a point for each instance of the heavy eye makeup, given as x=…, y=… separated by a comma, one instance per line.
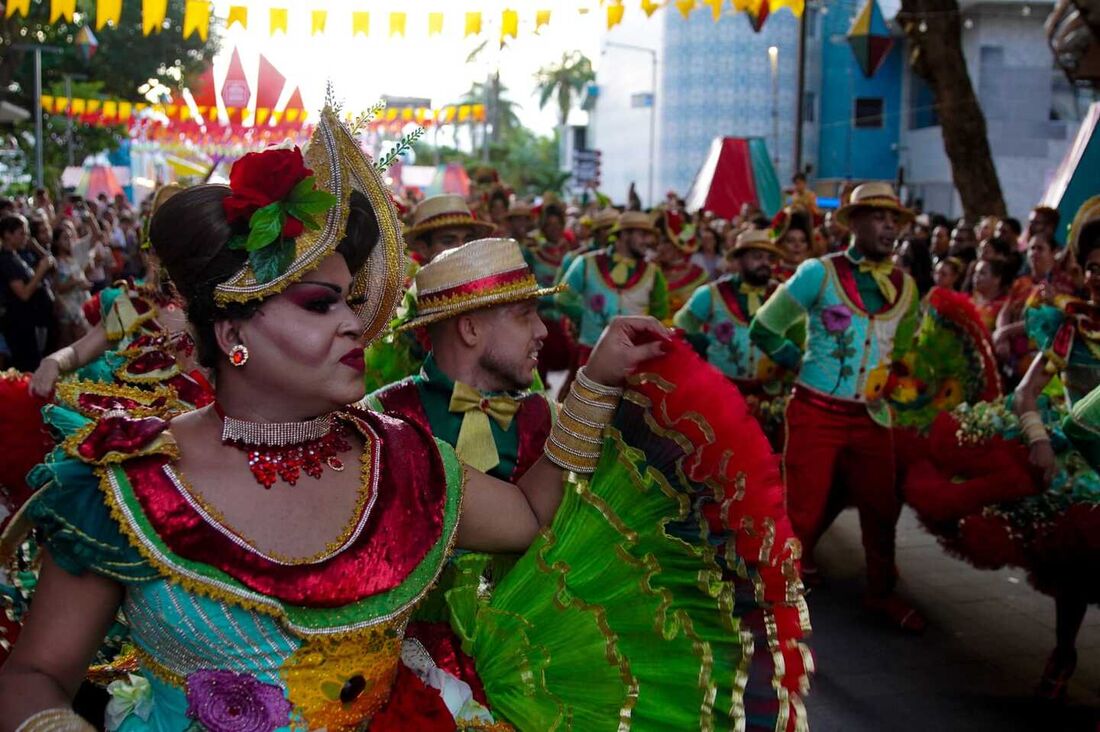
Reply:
x=316, y=297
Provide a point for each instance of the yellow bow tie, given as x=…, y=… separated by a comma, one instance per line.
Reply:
x=880, y=271
x=476, y=446
x=755, y=296
x=623, y=265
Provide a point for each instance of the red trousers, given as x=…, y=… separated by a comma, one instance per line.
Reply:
x=836, y=455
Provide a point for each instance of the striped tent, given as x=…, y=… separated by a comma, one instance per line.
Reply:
x=737, y=171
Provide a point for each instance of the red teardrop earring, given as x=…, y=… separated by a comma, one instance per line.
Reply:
x=238, y=355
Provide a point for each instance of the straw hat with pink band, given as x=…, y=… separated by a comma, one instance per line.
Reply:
x=443, y=212
x=479, y=274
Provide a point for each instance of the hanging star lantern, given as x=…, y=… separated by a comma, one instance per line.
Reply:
x=86, y=43
x=870, y=38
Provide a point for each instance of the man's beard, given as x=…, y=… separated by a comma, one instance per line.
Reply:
x=511, y=377
x=757, y=277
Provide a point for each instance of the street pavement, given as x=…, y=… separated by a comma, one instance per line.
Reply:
x=973, y=669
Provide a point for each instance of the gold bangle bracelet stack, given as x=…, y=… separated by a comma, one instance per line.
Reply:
x=65, y=358
x=1031, y=424
x=59, y=719
x=577, y=436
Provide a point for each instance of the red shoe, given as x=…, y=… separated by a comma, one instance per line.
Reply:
x=1055, y=680
x=897, y=612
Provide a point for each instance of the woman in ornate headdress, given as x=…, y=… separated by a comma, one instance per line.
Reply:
x=254, y=605
x=1015, y=482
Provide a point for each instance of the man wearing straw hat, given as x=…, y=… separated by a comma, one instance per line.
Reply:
x=478, y=303
x=440, y=223
x=861, y=316
x=601, y=227
x=520, y=220
x=716, y=320
x=614, y=281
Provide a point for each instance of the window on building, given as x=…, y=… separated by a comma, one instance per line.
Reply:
x=922, y=104
x=809, y=101
x=868, y=112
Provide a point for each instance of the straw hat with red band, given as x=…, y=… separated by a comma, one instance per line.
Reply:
x=636, y=220
x=755, y=240
x=478, y=274
x=680, y=231
x=873, y=195
x=443, y=212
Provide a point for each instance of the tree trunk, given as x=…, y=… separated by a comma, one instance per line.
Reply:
x=937, y=57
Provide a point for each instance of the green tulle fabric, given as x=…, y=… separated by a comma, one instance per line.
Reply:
x=69, y=509
x=607, y=581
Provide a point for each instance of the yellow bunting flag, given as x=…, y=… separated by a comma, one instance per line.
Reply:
x=795, y=6
x=360, y=23
x=107, y=11
x=110, y=109
x=152, y=15
x=685, y=7
x=196, y=18
x=715, y=8
x=650, y=7
x=542, y=17
x=76, y=106
x=614, y=15
x=237, y=14
x=47, y=102
x=509, y=24
x=397, y=24
x=62, y=9
x=318, y=19
x=17, y=6
x=262, y=113
x=277, y=18
x=435, y=24
x=473, y=24
x=124, y=110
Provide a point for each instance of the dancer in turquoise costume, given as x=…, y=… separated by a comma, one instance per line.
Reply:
x=861, y=313
x=615, y=281
x=267, y=550
x=1014, y=482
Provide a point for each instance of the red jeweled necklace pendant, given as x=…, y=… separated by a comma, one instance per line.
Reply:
x=286, y=450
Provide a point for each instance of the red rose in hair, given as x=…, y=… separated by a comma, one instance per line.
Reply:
x=260, y=179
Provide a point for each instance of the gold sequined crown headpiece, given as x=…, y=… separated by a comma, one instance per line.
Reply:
x=339, y=166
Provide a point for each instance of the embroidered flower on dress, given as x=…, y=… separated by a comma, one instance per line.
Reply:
x=230, y=702
x=836, y=318
x=723, y=332
x=132, y=696
x=597, y=302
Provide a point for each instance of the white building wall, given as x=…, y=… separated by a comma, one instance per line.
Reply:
x=619, y=131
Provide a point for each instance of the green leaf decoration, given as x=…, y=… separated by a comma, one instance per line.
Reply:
x=265, y=226
x=271, y=262
x=306, y=202
x=238, y=241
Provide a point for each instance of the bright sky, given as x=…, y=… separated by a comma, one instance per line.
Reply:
x=363, y=69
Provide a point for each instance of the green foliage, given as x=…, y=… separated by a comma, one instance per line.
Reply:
x=124, y=61
x=564, y=81
x=527, y=161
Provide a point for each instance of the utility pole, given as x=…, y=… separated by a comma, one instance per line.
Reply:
x=39, y=164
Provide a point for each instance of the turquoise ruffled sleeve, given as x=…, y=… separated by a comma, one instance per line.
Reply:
x=73, y=520
x=1043, y=322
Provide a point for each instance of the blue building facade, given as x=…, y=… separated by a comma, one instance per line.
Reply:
x=715, y=80
x=860, y=119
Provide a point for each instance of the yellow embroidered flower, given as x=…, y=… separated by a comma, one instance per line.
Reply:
x=875, y=386
x=766, y=369
x=906, y=391
x=949, y=395
x=338, y=683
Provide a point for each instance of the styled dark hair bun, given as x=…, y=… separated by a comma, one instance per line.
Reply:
x=189, y=233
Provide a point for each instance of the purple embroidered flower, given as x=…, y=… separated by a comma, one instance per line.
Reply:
x=836, y=318
x=597, y=302
x=723, y=332
x=224, y=701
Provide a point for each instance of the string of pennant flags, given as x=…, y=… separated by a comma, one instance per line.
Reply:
x=198, y=15
x=114, y=112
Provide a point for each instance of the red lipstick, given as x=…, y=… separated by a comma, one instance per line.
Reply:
x=354, y=358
